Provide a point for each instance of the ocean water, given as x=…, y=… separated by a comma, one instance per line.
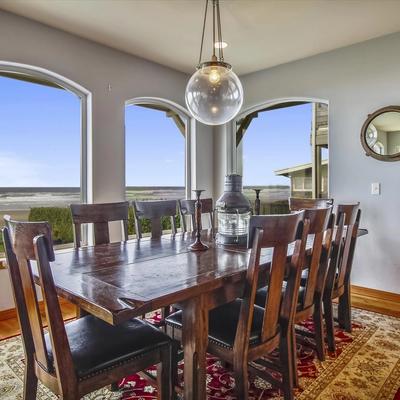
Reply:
x=24, y=200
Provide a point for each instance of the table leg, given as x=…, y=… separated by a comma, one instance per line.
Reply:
x=195, y=339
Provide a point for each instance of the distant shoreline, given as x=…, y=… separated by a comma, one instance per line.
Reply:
x=67, y=189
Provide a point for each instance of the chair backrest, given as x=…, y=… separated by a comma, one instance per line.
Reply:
x=297, y=203
x=188, y=208
x=326, y=254
x=351, y=215
x=277, y=232
x=25, y=242
x=335, y=255
x=154, y=211
x=99, y=215
x=319, y=219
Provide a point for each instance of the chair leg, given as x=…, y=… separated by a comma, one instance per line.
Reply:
x=330, y=330
x=30, y=381
x=165, y=312
x=319, y=332
x=226, y=365
x=294, y=359
x=344, y=310
x=71, y=395
x=164, y=375
x=286, y=359
x=174, y=366
x=241, y=375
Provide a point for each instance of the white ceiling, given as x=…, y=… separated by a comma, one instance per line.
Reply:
x=260, y=33
x=388, y=122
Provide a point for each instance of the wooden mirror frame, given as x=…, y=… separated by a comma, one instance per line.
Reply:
x=368, y=150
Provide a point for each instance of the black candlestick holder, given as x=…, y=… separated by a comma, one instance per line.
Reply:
x=257, y=202
x=198, y=245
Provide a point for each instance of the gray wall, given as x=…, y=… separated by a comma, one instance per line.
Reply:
x=94, y=67
x=356, y=80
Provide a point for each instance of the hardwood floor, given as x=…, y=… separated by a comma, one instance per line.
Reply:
x=9, y=325
x=376, y=300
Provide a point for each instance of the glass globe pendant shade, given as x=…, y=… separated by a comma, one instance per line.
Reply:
x=214, y=93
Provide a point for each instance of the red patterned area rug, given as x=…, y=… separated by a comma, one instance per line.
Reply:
x=365, y=367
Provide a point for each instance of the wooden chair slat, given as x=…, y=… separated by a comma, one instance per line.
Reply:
x=154, y=211
x=99, y=215
x=297, y=203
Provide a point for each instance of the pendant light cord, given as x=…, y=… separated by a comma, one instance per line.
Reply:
x=217, y=31
x=220, y=41
x=213, y=44
x=204, y=29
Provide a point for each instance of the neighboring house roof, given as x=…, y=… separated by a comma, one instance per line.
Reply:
x=301, y=167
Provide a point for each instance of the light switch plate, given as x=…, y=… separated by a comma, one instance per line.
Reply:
x=375, y=188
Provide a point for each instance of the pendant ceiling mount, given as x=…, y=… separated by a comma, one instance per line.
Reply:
x=214, y=93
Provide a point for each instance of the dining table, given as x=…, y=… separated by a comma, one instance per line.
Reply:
x=119, y=281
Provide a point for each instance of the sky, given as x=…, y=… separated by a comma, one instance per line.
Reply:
x=275, y=140
x=40, y=141
x=39, y=135
x=154, y=141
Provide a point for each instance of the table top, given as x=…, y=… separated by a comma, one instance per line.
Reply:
x=119, y=281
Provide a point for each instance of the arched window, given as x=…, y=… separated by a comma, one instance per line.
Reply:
x=283, y=149
x=155, y=150
x=41, y=142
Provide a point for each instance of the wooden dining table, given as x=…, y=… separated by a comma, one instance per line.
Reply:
x=119, y=281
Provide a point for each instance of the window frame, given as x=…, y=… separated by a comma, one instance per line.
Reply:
x=86, y=171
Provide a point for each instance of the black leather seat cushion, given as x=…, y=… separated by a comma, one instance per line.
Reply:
x=223, y=323
x=96, y=345
x=262, y=293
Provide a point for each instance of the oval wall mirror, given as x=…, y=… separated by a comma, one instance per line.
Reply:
x=380, y=134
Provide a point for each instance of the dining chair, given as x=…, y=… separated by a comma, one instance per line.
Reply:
x=298, y=203
x=99, y=215
x=154, y=211
x=309, y=302
x=339, y=272
x=85, y=354
x=187, y=208
x=241, y=332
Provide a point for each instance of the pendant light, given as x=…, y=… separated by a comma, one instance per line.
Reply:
x=214, y=94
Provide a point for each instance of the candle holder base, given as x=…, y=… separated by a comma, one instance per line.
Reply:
x=198, y=246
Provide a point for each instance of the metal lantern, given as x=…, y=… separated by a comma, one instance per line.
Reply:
x=233, y=211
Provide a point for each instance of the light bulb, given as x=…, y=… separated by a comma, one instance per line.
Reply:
x=214, y=94
x=214, y=76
